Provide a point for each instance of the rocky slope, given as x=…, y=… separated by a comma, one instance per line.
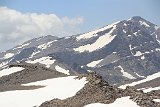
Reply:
x=127, y=50
x=99, y=91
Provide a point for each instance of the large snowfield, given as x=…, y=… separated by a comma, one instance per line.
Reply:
x=120, y=102
x=61, y=88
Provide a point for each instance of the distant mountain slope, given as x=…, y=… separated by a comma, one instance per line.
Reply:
x=127, y=50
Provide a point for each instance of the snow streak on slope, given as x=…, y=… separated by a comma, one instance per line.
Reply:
x=156, y=100
x=120, y=102
x=61, y=88
x=148, y=78
x=44, y=60
x=8, y=55
x=125, y=74
x=45, y=45
x=138, y=53
x=34, y=53
x=100, y=42
x=94, y=33
x=59, y=69
x=94, y=63
x=151, y=89
x=11, y=70
x=21, y=46
x=144, y=23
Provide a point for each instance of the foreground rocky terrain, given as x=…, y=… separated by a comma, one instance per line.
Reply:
x=99, y=91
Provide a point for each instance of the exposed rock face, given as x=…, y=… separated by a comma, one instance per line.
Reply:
x=99, y=91
x=134, y=50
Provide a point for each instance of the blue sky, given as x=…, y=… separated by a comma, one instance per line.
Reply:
x=69, y=17
x=96, y=13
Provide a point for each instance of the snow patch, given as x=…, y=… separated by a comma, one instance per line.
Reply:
x=3, y=64
x=119, y=102
x=148, y=78
x=94, y=63
x=125, y=24
x=157, y=49
x=44, y=60
x=142, y=57
x=124, y=31
x=151, y=89
x=135, y=33
x=100, y=42
x=158, y=41
x=45, y=45
x=94, y=33
x=34, y=53
x=11, y=70
x=21, y=46
x=60, y=88
x=144, y=23
x=125, y=74
x=8, y=55
x=156, y=100
x=140, y=75
x=138, y=53
x=62, y=70
x=146, y=52
x=130, y=47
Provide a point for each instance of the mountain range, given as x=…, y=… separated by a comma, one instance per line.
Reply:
x=125, y=53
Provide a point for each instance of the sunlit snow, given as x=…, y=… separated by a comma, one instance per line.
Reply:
x=156, y=100
x=125, y=74
x=45, y=45
x=21, y=46
x=99, y=43
x=150, y=89
x=94, y=63
x=11, y=70
x=148, y=78
x=138, y=53
x=62, y=70
x=61, y=88
x=119, y=102
x=144, y=23
x=94, y=33
x=8, y=55
x=44, y=60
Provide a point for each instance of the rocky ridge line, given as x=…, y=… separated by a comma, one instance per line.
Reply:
x=99, y=91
